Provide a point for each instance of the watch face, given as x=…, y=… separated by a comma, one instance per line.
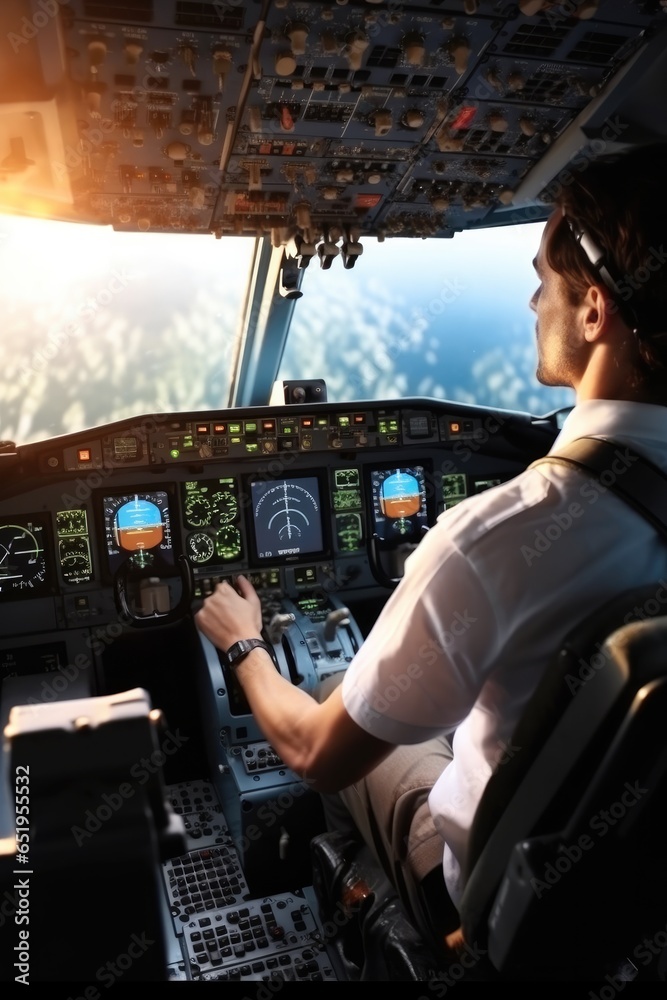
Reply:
x=241, y=648
x=234, y=651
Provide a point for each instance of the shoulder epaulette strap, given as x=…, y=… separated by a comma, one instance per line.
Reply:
x=620, y=469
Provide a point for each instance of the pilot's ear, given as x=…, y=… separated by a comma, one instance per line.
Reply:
x=598, y=311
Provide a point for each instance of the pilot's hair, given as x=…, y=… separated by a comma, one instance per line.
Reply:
x=620, y=200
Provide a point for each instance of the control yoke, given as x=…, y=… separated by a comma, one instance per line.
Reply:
x=153, y=598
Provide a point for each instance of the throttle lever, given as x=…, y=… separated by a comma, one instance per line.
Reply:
x=339, y=616
x=279, y=624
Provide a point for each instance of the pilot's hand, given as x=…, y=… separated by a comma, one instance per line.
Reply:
x=229, y=614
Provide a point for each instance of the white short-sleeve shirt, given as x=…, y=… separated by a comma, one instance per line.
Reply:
x=487, y=597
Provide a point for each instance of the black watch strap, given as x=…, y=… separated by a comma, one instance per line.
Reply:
x=239, y=650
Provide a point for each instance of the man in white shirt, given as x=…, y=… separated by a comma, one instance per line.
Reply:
x=465, y=637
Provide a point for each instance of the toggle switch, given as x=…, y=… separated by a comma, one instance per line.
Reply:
x=297, y=32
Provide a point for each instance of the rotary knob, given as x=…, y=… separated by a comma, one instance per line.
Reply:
x=177, y=151
x=97, y=51
x=285, y=63
x=297, y=32
x=413, y=46
x=357, y=43
x=132, y=52
x=413, y=118
x=459, y=50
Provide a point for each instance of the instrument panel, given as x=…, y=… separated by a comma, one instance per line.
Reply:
x=110, y=539
x=136, y=522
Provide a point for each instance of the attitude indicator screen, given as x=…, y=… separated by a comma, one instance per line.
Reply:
x=287, y=517
x=399, y=503
x=138, y=530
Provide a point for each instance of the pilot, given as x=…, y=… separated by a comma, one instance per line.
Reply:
x=426, y=710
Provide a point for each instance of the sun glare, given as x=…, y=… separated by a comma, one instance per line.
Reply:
x=43, y=259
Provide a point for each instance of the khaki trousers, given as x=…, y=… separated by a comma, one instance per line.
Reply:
x=389, y=808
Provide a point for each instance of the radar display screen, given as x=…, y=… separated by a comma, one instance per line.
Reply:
x=287, y=517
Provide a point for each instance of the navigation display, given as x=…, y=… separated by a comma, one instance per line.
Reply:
x=399, y=503
x=287, y=517
x=23, y=567
x=137, y=528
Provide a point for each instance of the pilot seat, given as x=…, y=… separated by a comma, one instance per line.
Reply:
x=567, y=864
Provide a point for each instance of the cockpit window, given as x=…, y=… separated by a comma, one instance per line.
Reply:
x=442, y=318
x=100, y=325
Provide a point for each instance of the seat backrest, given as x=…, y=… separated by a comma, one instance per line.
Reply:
x=594, y=725
x=95, y=845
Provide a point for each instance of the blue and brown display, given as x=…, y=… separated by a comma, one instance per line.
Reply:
x=399, y=505
x=137, y=529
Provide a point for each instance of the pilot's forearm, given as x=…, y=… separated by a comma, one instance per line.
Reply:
x=286, y=715
x=317, y=740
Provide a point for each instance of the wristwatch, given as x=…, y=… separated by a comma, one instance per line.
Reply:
x=239, y=650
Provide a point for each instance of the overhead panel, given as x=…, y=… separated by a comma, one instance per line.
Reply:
x=313, y=123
